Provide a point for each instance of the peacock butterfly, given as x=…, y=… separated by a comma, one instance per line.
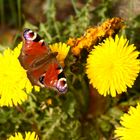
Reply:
x=40, y=63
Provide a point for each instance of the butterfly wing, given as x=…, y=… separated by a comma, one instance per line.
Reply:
x=33, y=49
x=41, y=64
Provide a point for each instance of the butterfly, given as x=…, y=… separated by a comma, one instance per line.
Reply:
x=41, y=64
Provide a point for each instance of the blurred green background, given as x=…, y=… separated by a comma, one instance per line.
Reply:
x=81, y=114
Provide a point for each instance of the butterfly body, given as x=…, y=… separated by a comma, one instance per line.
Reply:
x=41, y=64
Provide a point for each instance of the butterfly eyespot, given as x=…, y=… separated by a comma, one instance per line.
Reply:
x=29, y=35
x=62, y=82
x=26, y=31
x=62, y=85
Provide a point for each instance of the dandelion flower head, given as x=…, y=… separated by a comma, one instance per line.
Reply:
x=113, y=66
x=62, y=50
x=14, y=84
x=28, y=136
x=130, y=126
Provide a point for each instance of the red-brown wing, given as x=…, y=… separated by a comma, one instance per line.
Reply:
x=48, y=71
x=32, y=51
x=49, y=75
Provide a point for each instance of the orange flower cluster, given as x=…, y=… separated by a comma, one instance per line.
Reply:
x=95, y=35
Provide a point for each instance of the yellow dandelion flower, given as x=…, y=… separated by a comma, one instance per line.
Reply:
x=17, y=50
x=14, y=84
x=130, y=129
x=28, y=136
x=113, y=66
x=62, y=50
